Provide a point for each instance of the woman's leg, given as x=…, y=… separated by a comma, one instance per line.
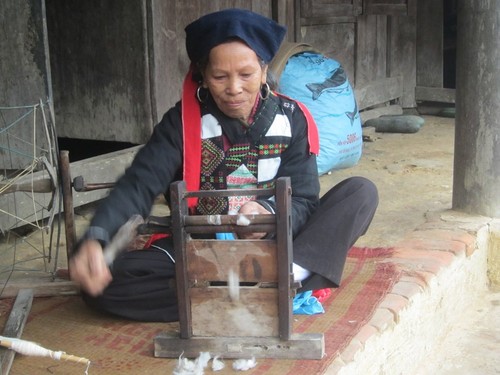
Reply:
x=344, y=214
x=143, y=286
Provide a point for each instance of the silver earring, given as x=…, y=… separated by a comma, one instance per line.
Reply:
x=265, y=90
x=198, y=96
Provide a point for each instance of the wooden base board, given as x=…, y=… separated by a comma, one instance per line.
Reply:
x=300, y=346
x=15, y=326
x=43, y=286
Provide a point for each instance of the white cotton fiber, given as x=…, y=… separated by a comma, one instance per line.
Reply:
x=244, y=364
x=192, y=367
x=217, y=364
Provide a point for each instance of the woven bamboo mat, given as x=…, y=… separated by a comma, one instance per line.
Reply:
x=122, y=347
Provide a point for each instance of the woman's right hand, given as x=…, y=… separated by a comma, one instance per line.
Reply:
x=88, y=268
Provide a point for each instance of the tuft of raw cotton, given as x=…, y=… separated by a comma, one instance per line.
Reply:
x=243, y=221
x=192, y=367
x=244, y=364
x=217, y=364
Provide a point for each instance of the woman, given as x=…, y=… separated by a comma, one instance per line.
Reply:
x=228, y=131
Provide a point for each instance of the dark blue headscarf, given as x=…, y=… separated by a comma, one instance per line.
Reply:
x=261, y=34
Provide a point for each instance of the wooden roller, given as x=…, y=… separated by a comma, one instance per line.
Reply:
x=38, y=186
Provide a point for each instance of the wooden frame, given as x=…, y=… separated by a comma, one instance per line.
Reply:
x=259, y=322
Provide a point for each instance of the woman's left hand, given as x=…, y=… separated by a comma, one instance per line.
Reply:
x=253, y=208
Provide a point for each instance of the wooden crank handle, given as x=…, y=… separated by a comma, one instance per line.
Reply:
x=80, y=185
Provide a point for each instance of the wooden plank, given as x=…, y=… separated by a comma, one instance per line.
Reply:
x=334, y=40
x=101, y=90
x=315, y=21
x=377, y=92
x=283, y=13
x=261, y=7
x=435, y=109
x=68, y=207
x=429, y=63
x=371, y=49
x=179, y=209
x=386, y=7
x=214, y=221
x=211, y=260
x=41, y=287
x=435, y=94
x=15, y=325
x=297, y=31
x=402, y=55
x=329, y=8
x=380, y=111
x=103, y=168
x=300, y=346
x=255, y=314
x=284, y=254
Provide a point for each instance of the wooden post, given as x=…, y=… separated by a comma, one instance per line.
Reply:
x=476, y=176
x=69, y=219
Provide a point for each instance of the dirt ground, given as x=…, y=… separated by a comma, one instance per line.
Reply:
x=413, y=173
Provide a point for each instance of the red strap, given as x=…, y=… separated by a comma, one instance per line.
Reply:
x=155, y=237
x=191, y=128
x=312, y=128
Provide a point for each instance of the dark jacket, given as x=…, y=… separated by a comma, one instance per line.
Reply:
x=159, y=163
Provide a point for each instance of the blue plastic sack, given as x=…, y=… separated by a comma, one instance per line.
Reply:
x=305, y=304
x=321, y=84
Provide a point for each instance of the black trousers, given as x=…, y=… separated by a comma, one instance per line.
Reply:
x=344, y=215
x=143, y=286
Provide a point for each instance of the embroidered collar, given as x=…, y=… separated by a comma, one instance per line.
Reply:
x=239, y=132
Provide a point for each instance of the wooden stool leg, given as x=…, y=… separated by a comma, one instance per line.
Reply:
x=178, y=210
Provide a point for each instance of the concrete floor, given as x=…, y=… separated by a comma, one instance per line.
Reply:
x=472, y=347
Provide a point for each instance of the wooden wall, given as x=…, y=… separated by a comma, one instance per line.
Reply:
x=375, y=42
x=118, y=65
x=430, y=57
x=24, y=80
x=115, y=76
x=166, y=21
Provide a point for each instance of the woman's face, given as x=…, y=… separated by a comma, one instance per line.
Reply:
x=234, y=76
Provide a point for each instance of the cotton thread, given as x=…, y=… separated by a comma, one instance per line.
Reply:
x=30, y=348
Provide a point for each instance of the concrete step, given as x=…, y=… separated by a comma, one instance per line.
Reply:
x=445, y=266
